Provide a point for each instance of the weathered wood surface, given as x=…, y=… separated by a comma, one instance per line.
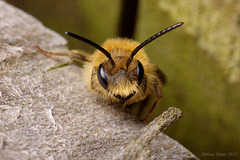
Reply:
x=52, y=115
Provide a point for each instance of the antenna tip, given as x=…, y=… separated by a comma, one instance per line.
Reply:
x=181, y=23
x=67, y=33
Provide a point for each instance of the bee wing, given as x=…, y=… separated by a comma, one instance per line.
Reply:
x=76, y=55
x=161, y=76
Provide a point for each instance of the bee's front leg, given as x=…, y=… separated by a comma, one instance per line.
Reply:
x=158, y=91
x=76, y=55
x=124, y=105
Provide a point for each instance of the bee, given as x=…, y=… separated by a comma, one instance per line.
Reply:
x=119, y=70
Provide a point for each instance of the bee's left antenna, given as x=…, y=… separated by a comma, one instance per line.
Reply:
x=104, y=51
x=151, y=39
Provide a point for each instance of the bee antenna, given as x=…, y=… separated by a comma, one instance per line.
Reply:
x=155, y=36
x=104, y=51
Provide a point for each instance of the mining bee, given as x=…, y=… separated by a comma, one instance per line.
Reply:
x=119, y=70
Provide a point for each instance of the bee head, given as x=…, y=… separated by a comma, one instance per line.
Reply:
x=121, y=81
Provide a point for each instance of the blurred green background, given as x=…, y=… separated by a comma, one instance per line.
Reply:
x=200, y=60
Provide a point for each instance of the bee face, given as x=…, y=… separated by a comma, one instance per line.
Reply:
x=130, y=77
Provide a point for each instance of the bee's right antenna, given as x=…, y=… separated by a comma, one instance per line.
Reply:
x=104, y=51
x=150, y=40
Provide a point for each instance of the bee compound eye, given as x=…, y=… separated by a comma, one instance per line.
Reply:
x=101, y=75
x=140, y=72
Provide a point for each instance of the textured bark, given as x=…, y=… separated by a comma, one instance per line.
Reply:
x=53, y=115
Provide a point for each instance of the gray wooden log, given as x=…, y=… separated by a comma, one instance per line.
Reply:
x=53, y=115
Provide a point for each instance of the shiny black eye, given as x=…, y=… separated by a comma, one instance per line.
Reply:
x=140, y=72
x=101, y=75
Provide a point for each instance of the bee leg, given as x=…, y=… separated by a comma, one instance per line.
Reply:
x=60, y=66
x=142, y=105
x=73, y=54
x=123, y=108
x=158, y=92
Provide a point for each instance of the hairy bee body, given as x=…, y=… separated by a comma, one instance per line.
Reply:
x=119, y=70
x=120, y=50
